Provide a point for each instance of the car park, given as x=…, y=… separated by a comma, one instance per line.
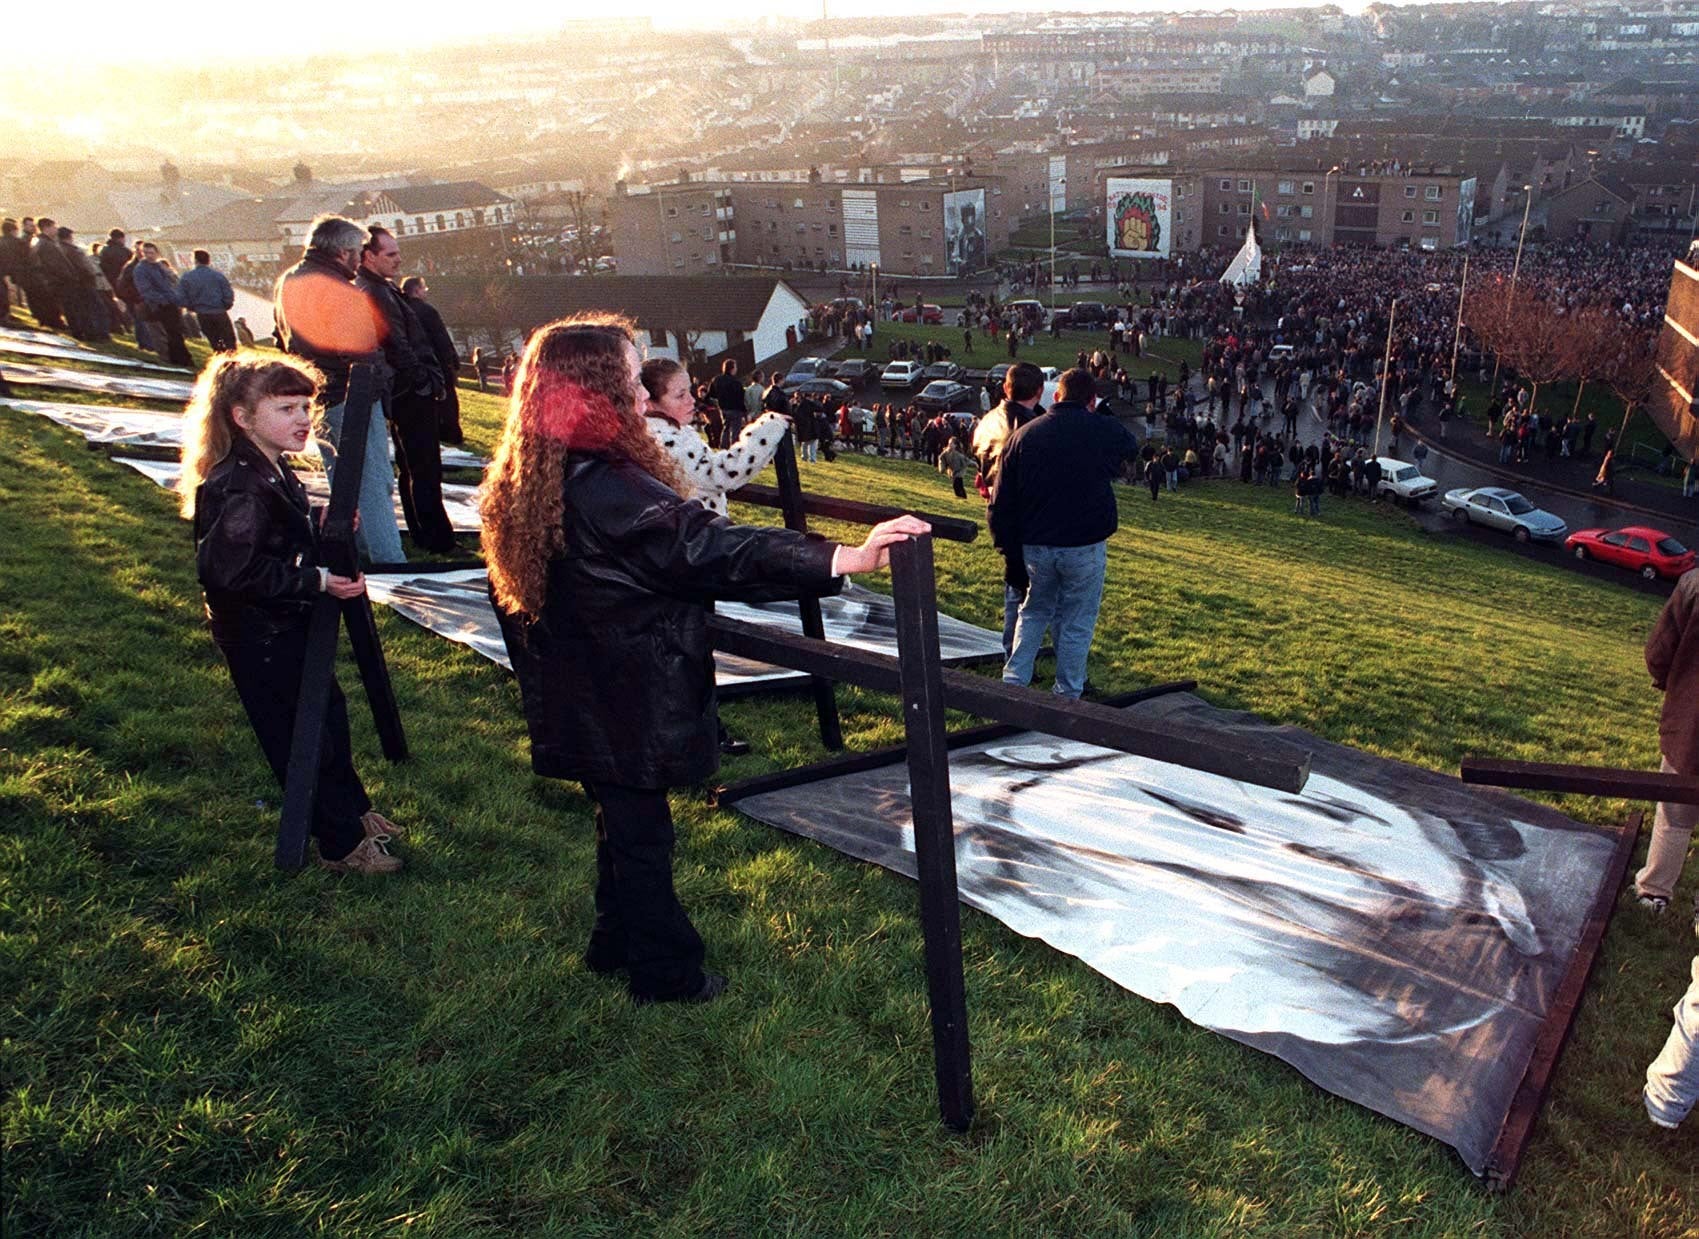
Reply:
x=931, y=315
x=942, y=370
x=1404, y=481
x=901, y=374
x=945, y=396
x=1498, y=508
x=1639, y=548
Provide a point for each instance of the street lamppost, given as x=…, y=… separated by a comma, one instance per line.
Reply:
x=1061, y=182
x=1327, y=201
x=873, y=300
x=1515, y=270
x=1457, y=332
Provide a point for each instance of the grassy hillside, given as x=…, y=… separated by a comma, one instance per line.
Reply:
x=197, y=1045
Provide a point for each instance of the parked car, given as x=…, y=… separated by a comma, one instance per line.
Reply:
x=829, y=392
x=855, y=371
x=942, y=370
x=1027, y=308
x=901, y=374
x=1498, y=508
x=1650, y=552
x=945, y=396
x=1084, y=314
x=805, y=368
x=932, y=315
x=1404, y=481
x=1280, y=352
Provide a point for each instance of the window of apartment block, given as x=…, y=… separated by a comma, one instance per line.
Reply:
x=1244, y=208
x=1244, y=186
x=1409, y=217
x=676, y=237
x=1284, y=234
x=678, y=262
x=1430, y=217
x=707, y=232
x=1226, y=186
x=1221, y=230
x=1409, y=191
x=1285, y=187
x=1306, y=211
x=831, y=230
x=1309, y=187
x=1227, y=208
x=926, y=234
x=1431, y=193
x=905, y=202
x=798, y=204
x=906, y=230
x=672, y=212
x=1303, y=234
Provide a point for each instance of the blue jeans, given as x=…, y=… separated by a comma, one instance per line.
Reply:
x=379, y=537
x=1064, y=591
x=811, y=450
x=1672, y=1081
x=1011, y=610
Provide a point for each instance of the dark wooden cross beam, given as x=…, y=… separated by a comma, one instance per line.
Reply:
x=1268, y=763
x=1582, y=780
x=336, y=545
x=831, y=507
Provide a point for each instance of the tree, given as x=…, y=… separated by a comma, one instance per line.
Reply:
x=1517, y=324
x=1629, y=367
x=582, y=231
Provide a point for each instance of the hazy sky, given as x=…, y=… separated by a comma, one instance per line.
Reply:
x=105, y=29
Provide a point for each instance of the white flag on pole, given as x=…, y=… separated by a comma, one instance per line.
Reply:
x=1246, y=267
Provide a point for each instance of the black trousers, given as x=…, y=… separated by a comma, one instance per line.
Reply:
x=217, y=329
x=169, y=319
x=640, y=924
x=43, y=302
x=268, y=680
x=418, y=462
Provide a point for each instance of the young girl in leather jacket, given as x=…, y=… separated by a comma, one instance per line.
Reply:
x=256, y=550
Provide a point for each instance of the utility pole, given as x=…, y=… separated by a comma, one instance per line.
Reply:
x=1515, y=270
x=1457, y=334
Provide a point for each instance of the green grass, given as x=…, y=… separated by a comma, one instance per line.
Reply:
x=197, y=1045
x=1044, y=351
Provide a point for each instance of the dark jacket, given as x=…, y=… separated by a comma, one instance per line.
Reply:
x=1055, y=484
x=205, y=291
x=362, y=345
x=255, y=547
x=47, y=260
x=412, y=363
x=114, y=256
x=14, y=257
x=157, y=284
x=617, y=673
x=727, y=392
x=442, y=346
x=1672, y=656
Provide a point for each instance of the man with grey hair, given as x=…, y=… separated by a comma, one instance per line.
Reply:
x=322, y=318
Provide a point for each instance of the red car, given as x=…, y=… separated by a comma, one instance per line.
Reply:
x=930, y=314
x=1650, y=552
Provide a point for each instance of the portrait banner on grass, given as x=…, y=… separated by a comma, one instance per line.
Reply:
x=130, y=386
x=62, y=350
x=1396, y=936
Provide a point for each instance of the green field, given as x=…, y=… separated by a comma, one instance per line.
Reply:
x=196, y=1045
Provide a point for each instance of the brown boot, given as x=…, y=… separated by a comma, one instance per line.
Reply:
x=369, y=857
x=375, y=824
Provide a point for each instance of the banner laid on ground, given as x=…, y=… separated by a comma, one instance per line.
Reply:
x=456, y=605
x=62, y=351
x=459, y=501
x=130, y=386
x=107, y=423
x=1393, y=934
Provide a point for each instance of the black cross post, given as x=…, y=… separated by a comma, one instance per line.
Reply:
x=914, y=591
x=790, y=503
x=338, y=552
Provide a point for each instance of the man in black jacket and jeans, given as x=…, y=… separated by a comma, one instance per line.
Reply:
x=1055, y=500
x=416, y=386
x=448, y=358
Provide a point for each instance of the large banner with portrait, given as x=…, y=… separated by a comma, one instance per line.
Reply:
x=1141, y=217
x=964, y=230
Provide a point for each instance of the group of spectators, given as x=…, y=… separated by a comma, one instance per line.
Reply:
x=112, y=288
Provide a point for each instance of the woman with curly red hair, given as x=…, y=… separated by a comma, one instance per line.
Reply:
x=603, y=578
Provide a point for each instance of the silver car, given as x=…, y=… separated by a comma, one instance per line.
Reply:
x=1498, y=508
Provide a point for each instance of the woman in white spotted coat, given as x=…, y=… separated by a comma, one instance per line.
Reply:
x=710, y=473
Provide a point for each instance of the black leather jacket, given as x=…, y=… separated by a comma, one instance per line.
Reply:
x=412, y=363
x=617, y=673
x=256, y=542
